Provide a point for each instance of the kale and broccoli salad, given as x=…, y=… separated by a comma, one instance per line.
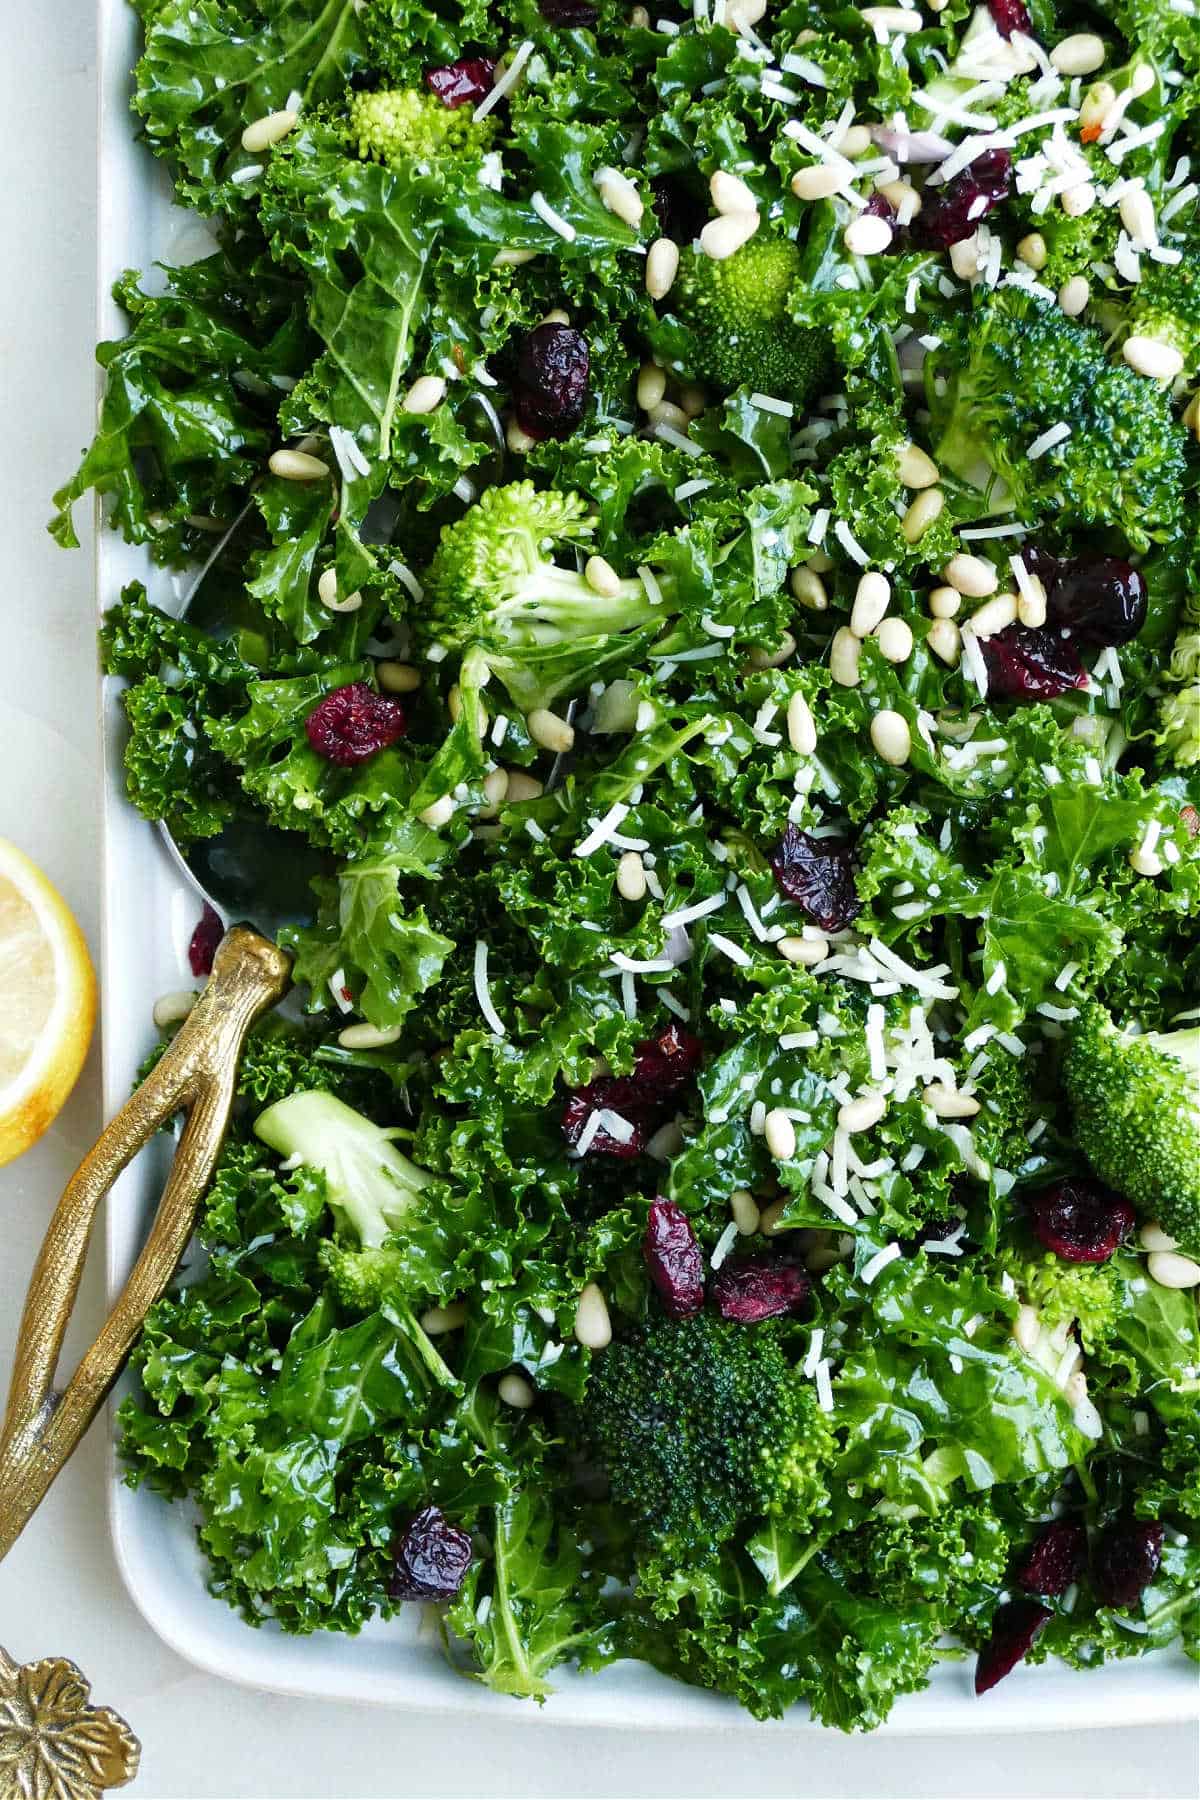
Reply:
x=720, y=598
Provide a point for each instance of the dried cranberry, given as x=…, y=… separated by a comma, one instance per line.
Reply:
x=1009, y=16
x=817, y=873
x=759, y=1287
x=1080, y=1221
x=1054, y=1560
x=431, y=1558
x=662, y=1066
x=1099, y=600
x=1014, y=1628
x=1189, y=818
x=673, y=1259
x=352, y=723
x=552, y=381
x=1126, y=1560
x=205, y=939
x=680, y=211
x=951, y=213
x=574, y=14
x=1024, y=663
x=463, y=83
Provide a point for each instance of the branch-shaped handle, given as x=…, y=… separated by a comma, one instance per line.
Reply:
x=197, y=1074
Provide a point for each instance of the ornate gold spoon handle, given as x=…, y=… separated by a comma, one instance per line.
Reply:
x=195, y=1074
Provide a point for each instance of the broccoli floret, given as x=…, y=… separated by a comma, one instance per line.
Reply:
x=704, y=1425
x=741, y=331
x=1026, y=367
x=493, y=585
x=402, y=124
x=1063, y=1293
x=371, y=1187
x=1166, y=306
x=1136, y=1106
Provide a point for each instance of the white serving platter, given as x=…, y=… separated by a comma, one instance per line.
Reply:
x=148, y=914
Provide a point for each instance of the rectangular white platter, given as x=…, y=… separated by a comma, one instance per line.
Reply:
x=148, y=917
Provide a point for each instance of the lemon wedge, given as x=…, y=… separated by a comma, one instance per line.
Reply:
x=47, y=1002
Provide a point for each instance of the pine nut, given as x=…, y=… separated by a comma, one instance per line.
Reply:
x=772, y=659
x=872, y=598
x=1145, y=862
x=620, y=195
x=593, y=1327
x=862, y=1113
x=807, y=951
x=512, y=258
x=994, y=615
x=369, y=1037
x=667, y=413
x=740, y=13
x=1031, y=607
x=426, y=393
x=820, y=562
x=601, y=577
x=801, y=726
x=844, y=653
x=900, y=194
x=895, y=640
x=1074, y=295
x=631, y=876
x=921, y=514
x=297, y=465
x=1079, y=54
x=867, y=235
x=692, y=399
x=548, y=730
x=824, y=1256
x=730, y=193
x=1098, y=102
x=518, y=441
x=1078, y=200
x=743, y=1210
x=726, y=234
x=1149, y=356
x=809, y=589
x=639, y=18
x=948, y=1103
x=971, y=575
x=945, y=640
x=495, y=789
x=397, y=677
x=780, y=1134
x=1026, y=1328
x=944, y=602
x=1137, y=216
x=770, y=1220
x=1171, y=1270
x=1032, y=250
x=1153, y=1237
x=514, y=1390
x=891, y=737
x=964, y=257
x=855, y=141
x=662, y=266
x=1141, y=80
x=651, y=386
x=522, y=787
x=262, y=133
x=439, y=813
x=438, y=1320
x=169, y=1009
x=454, y=704
x=916, y=469
x=818, y=181
x=327, y=593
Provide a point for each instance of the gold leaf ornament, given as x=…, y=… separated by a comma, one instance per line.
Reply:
x=53, y=1744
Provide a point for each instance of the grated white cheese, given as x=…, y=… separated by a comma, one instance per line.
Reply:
x=483, y=992
x=684, y=915
x=546, y=213
x=728, y=948
x=723, y=1245
x=824, y=1386
x=878, y=1263
x=850, y=543
x=601, y=829
x=1057, y=434
x=506, y=82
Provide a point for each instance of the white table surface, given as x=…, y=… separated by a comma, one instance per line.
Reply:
x=59, y=1589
